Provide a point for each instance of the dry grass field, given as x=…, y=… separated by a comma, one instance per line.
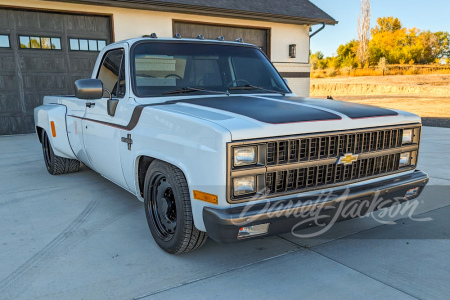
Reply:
x=425, y=95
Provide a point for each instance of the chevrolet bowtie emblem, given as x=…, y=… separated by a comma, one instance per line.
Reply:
x=347, y=159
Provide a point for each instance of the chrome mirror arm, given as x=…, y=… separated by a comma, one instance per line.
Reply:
x=109, y=93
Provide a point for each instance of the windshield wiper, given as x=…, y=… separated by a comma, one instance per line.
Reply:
x=190, y=90
x=253, y=87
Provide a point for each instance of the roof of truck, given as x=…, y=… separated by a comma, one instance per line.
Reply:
x=186, y=40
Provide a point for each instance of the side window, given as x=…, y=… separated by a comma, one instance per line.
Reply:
x=112, y=73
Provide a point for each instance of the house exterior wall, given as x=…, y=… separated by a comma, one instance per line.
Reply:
x=129, y=23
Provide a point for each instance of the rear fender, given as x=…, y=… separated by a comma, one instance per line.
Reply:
x=44, y=115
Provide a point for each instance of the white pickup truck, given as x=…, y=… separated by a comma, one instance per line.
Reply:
x=210, y=137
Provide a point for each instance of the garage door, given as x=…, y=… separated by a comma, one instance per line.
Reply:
x=43, y=53
x=256, y=36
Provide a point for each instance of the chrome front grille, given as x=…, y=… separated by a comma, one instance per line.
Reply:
x=307, y=162
x=312, y=148
x=321, y=175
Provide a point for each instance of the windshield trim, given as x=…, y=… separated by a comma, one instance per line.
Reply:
x=177, y=41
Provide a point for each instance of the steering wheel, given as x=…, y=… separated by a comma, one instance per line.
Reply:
x=238, y=80
x=173, y=75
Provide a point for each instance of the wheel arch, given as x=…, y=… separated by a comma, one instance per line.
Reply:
x=39, y=131
x=142, y=164
x=51, y=118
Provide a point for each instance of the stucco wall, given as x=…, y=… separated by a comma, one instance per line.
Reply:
x=129, y=23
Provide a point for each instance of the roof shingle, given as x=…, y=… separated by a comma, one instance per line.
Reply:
x=285, y=11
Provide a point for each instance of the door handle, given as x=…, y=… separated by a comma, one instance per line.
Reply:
x=89, y=104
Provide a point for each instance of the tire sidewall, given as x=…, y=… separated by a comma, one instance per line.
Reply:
x=48, y=164
x=172, y=245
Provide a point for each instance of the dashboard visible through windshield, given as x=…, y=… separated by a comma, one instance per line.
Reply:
x=167, y=68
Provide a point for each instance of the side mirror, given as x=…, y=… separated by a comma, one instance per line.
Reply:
x=88, y=89
x=286, y=81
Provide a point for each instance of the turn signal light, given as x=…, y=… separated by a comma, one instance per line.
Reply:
x=210, y=198
x=52, y=125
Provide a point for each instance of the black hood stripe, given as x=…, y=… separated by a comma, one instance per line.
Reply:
x=265, y=110
x=352, y=110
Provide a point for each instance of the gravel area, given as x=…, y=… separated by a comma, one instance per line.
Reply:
x=425, y=95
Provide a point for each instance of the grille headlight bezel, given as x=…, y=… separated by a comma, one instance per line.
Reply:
x=245, y=156
x=408, y=136
x=405, y=159
x=244, y=185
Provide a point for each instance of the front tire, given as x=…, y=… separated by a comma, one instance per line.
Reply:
x=168, y=209
x=55, y=164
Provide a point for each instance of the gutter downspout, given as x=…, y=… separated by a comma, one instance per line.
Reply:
x=310, y=36
x=317, y=31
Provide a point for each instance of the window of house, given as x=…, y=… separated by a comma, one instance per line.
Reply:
x=39, y=42
x=4, y=41
x=112, y=73
x=86, y=44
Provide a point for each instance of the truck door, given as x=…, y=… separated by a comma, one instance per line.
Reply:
x=101, y=131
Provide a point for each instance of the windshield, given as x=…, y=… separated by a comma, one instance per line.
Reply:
x=162, y=69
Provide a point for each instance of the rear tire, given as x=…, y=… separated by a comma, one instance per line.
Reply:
x=168, y=209
x=57, y=165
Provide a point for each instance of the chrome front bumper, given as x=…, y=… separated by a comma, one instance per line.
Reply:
x=223, y=225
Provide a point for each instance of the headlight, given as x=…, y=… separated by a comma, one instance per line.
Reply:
x=407, y=136
x=244, y=185
x=405, y=159
x=244, y=156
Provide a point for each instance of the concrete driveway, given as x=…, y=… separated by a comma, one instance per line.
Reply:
x=79, y=236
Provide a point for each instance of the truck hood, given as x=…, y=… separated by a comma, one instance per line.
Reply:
x=253, y=116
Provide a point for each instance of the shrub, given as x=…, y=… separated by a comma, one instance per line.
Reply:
x=412, y=71
x=317, y=75
x=331, y=72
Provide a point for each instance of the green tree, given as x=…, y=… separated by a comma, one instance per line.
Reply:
x=346, y=54
x=441, y=45
x=315, y=60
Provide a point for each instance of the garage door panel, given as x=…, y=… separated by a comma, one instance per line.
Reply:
x=27, y=75
x=9, y=104
x=82, y=64
x=9, y=83
x=86, y=24
x=28, y=123
x=32, y=100
x=4, y=19
x=6, y=62
x=36, y=62
x=13, y=124
x=36, y=83
x=41, y=21
x=254, y=36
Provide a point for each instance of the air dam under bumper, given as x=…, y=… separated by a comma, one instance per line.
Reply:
x=223, y=225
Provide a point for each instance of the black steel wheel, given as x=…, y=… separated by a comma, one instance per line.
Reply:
x=168, y=209
x=163, y=207
x=55, y=164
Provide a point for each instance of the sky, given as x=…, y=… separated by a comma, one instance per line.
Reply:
x=431, y=15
